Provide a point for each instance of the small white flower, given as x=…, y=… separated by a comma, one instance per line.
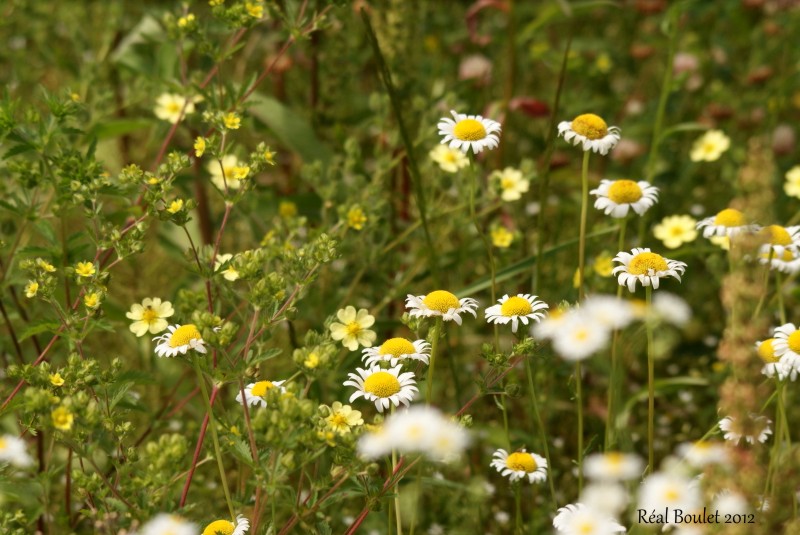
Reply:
x=610, y=498
x=520, y=465
x=576, y=337
x=729, y=502
x=613, y=466
x=646, y=267
x=12, y=451
x=469, y=131
x=662, y=490
x=616, y=197
x=578, y=519
x=609, y=310
x=180, y=339
x=590, y=131
x=729, y=222
x=440, y=303
x=755, y=428
x=519, y=308
x=166, y=524
x=383, y=387
x=256, y=393
x=703, y=453
x=396, y=350
x=786, y=346
x=672, y=309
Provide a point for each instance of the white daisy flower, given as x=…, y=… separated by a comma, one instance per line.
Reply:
x=729, y=502
x=520, y=465
x=441, y=303
x=613, y=466
x=578, y=338
x=578, y=519
x=703, y=453
x=786, y=346
x=229, y=172
x=354, y=328
x=149, y=316
x=547, y=328
x=256, y=393
x=590, y=131
x=779, y=239
x=169, y=106
x=755, y=428
x=662, y=490
x=772, y=362
x=166, y=524
x=180, y=339
x=375, y=444
x=729, y=222
x=227, y=527
x=13, y=451
x=646, y=267
x=469, y=131
x=609, y=310
x=672, y=309
x=384, y=387
x=616, y=197
x=519, y=308
x=396, y=350
x=449, y=160
x=510, y=182
x=606, y=497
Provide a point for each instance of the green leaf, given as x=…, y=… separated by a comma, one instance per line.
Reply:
x=291, y=129
x=119, y=127
x=39, y=327
x=118, y=391
x=270, y=354
x=683, y=127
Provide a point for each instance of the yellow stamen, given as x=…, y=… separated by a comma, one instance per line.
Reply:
x=441, y=301
x=776, y=235
x=767, y=351
x=590, y=126
x=521, y=461
x=469, y=130
x=794, y=341
x=183, y=335
x=260, y=388
x=624, y=192
x=353, y=328
x=219, y=526
x=730, y=217
x=643, y=263
x=397, y=347
x=382, y=384
x=515, y=306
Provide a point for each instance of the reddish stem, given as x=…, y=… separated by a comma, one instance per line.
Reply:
x=198, y=448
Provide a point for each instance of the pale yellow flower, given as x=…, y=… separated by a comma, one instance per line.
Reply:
x=183, y=22
x=175, y=206
x=312, y=361
x=501, y=237
x=449, y=160
x=231, y=168
x=169, y=106
x=45, y=265
x=91, y=300
x=792, y=184
x=675, y=230
x=356, y=218
x=342, y=418
x=710, y=146
x=254, y=9
x=354, y=328
x=62, y=418
x=510, y=182
x=149, y=316
x=229, y=273
x=232, y=121
x=603, y=264
x=31, y=288
x=56, y=379
x=199, y=146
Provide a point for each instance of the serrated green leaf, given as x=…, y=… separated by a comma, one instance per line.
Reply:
x=44, y=326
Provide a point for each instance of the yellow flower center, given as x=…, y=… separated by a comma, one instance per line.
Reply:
x=397, y=347
x=173, y=107
x=2, y=443
x=469, y=130
x=183, y=335
x=794, y=341
x=671, y=494
x=585, y=528
x=149, y=315
x=521, y=461
x=441, y=301
x=515, y=306
x=260, y=388
x=730, y=217
x=382, y=384
x=624, y=192
x=507, y=183
x=353, y=328
x=642, y=263
x=338, y=420
x=590, y=126
x=614, y=459
x=767, y=352
x=777, y=235
x=217, y=527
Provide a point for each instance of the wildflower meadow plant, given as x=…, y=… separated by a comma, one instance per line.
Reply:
x=391, y=267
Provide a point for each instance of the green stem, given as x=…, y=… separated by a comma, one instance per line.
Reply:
x=666, y=86
x=435, y=332
x=518, y=501
x=613, y=383
x=651, y=393
x=505, y=420
x=486, y=243
x=212, y=424
x=540, y=425
x=584, y=214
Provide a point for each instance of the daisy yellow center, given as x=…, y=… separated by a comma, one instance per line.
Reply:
x=614, y=459
x=515, y=306
x=730, y=217
x=441, y=301
x=183, y=335
x=642, y=263
x=585, y=528
x=397, y=347
x=469, y=130
x=777, y=235
x=767, y=351
x=219, y=526
x=581, y=335
x=794, y=341
x=149, y=315
x=353, y=328
x=2, y=444
x=590, y=126
x=382, y=384
x=624, y=192
x=671, y=494
x=521, y=461
x=260, y=388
